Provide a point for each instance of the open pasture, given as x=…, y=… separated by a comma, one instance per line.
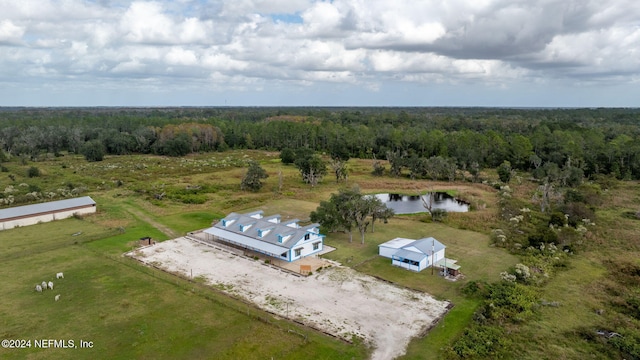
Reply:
x=131, y=311
x=143, y=306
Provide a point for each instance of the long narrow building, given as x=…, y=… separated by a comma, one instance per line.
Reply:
x=44, y=212
x=286, y=241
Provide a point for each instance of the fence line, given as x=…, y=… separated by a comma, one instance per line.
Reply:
x=248, y=305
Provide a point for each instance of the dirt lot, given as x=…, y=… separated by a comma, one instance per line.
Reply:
x=337, y=299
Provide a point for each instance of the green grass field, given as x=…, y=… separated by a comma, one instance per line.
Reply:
x=131, y=311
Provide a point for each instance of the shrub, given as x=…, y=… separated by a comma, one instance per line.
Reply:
x=481, y=342
x=557, y=218
x=287, y=156
x=378, y=168
x=93, y=150
x=33, y=172
x=192, y=199
x=628, y=344
x=544, y=235
x=509, y=301
x=438, y=215
x=34, y=188
x=504, y=172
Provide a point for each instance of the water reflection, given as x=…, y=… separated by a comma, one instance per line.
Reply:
x=411, y=204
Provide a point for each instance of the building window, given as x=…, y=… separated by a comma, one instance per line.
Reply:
x=316, y=245
x=298, y=251
x=306, y=236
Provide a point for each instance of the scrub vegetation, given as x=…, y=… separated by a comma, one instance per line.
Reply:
x=548, y=252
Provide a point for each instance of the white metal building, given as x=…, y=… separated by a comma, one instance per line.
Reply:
x=415, y=255
x=45, y=212
x=286, y=241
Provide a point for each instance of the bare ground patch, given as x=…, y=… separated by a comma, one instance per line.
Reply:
x=337, y=300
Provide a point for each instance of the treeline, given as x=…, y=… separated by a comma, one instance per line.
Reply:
x=548, y=142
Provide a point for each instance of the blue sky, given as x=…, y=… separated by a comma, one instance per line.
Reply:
x=546, y=53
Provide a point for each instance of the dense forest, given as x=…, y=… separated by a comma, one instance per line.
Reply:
x=563, y=144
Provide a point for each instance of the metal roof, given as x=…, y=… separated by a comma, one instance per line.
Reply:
x=426, y=245
x=288, y=230
x=51, y=206
x=449, y=263
x=396, y=243
x=265, y=247
x=408, y=254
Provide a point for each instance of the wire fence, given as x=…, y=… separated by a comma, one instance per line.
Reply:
x=222, y=298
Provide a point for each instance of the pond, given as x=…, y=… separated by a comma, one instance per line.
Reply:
x=412, y=204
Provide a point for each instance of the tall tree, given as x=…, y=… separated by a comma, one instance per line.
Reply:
x=252, y=179
x=312, y=168
x=380, y=212
x=340, y=170
x=331, y=216
x=349, y=208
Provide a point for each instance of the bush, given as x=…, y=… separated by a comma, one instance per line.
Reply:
x=34, y=188
x=627, y=344
x=438, y=215
x=473, y=288
x=93, y=150
x=33, y=172
x=557, y=218
x=544, y=235
x=287, y=156
x=509, y=301
x=378, y=168
x=577, y=212
x=481, y=342
x=192, y=199
x=504, y=172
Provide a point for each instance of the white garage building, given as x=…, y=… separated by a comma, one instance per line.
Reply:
x=410, y=254
x=45, y=212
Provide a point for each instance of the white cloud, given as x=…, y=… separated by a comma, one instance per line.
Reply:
x=144, y=22
x=180, y=56
x=243, y=7
x=9, y=32
x=362, y=42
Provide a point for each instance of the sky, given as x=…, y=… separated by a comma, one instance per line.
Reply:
x=505, y=53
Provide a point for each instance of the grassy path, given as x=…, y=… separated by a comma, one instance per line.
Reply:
x=162, y=228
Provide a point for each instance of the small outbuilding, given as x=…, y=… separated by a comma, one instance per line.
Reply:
x=415, y=255
x=146, y=241
x=45, y=212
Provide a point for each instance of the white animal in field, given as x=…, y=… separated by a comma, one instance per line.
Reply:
x=50, y=285
x=44, y=285
x=59, y=276
x=39, y=288
x=57, y=297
